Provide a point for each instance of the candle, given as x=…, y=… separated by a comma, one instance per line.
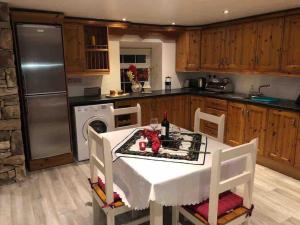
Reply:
x=142, y=145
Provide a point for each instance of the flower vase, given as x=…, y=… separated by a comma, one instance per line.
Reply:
x=136, y=87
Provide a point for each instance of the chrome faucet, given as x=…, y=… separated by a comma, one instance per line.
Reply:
x=262, y=86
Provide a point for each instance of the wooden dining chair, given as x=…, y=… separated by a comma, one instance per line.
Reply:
x=219, y=120
x=224, y=206
x=126, y=111
x=103, y=196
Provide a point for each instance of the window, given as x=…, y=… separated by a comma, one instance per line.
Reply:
x=141, y=58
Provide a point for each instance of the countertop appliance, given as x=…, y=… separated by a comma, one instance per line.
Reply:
x=44, y=93
x=220, y=85
x=98, y=117
x=195, y=83
x=298, y=100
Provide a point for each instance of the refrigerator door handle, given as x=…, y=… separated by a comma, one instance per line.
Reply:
x=46, y=93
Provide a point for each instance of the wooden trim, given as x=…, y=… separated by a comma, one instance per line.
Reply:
x=243, y=72
x=40, y=17
x=38, y=164
x=279, y=167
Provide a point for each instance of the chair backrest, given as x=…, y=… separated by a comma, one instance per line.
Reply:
x=245, y=178
x=101, y=161
x=126, y=111
x=219, y=120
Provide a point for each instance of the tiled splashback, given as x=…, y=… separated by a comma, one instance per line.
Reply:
x=281, y=87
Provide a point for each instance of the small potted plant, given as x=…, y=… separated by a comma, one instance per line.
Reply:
x=136, y=86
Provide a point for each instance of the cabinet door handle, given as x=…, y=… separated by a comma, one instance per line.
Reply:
x=295, y=124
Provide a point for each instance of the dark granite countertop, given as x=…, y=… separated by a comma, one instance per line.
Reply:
x=281, y=104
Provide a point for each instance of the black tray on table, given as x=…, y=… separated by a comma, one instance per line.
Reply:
x=192, y=153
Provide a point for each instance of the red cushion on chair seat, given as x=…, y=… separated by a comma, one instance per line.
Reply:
x=102, y=186
x=227, y=201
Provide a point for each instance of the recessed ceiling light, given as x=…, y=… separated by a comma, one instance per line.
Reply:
x=226, y=11
x=124, y=19
x=173, y=23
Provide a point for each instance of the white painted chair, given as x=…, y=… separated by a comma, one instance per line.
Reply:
x=217, y=186
x=104, y=197
x=219, y=120
x=125, y=111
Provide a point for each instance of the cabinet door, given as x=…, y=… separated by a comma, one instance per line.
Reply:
x=256, y=122
x=297, y=157
x=182, y=46
x=146, y=109
x=212, y=44
x=74, y=47
x=240, y=46
x=235, y=123
x=291, y=45
x=188, y=51
x=269, y=44
x=196, y=102
x=193, y=62
x=282, y=135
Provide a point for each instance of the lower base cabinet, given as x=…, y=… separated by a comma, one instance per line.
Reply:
x=278, y=130
x=255, y=125
x=297, y=155
x=281, y=137
x=235, y=132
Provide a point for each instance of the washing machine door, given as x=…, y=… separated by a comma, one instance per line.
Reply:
x=99, y=124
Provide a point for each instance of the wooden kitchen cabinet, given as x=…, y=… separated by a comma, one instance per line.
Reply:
x=188, y=51
x=269, y=45
x=297, y=156
x=196, y=102
x=291, y=45
x=212, y=48
x=235, y=123
x=216, y=107
x=86, y=49
x=74, y=47
x=240, y=46
x=281, y=136
x=255, y=125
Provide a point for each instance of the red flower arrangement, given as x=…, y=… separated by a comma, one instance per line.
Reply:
x=153, y=137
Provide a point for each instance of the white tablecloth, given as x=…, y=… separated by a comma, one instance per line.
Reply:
x=140, y=181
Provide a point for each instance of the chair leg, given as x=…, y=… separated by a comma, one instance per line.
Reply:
x=175, y=215
x=110, y=217
x=96, y=212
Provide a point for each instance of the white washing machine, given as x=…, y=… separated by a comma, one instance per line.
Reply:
x=98, y=117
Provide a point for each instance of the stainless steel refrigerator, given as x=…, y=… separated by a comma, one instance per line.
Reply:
x=40, y=54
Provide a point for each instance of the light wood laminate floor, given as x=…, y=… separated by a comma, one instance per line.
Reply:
x=61, y=196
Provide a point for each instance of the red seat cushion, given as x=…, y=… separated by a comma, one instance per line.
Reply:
x=227, y=202
x=102, y=186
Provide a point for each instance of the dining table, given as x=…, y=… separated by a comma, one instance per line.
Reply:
x=155, y=183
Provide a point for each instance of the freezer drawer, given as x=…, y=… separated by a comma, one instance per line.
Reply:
x=48, y=125
x=41, y=57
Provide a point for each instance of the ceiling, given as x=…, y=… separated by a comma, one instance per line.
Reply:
x=182, y=12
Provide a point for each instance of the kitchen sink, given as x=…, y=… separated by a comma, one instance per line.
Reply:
x=264, y=99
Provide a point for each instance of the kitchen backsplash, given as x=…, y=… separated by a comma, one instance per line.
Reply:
x=281, y=87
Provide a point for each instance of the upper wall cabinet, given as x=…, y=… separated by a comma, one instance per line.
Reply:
x=212, y=45
x=269, y=45
x=291, y=45
x=188, y=51
x=86, y=49
x=240, y=46
x=74, y=48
